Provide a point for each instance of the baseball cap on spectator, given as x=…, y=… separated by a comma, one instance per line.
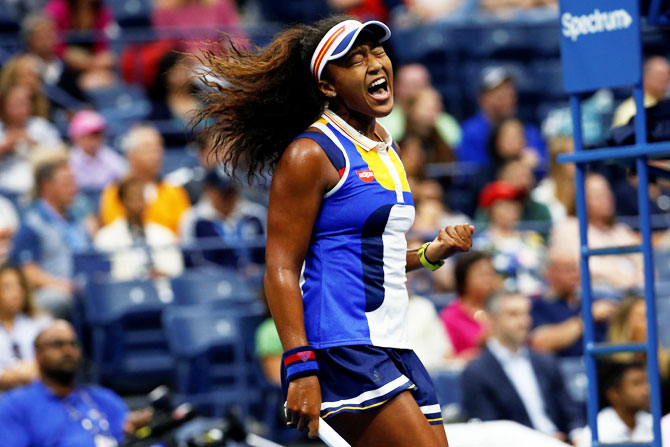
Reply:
x=499, y=190
x=86, y=122
x=217, y=178
x=491, y=77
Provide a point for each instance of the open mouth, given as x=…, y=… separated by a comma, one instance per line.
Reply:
x=379, y=89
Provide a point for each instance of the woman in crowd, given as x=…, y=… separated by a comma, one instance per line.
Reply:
x=19, y=325
x=24, y=69
x=93, y=60
x=609, y=274
x=340, y=206
x=517, y=254
x=21, y=132
x=423, y=112
x=465, y=319
x=137, y=248
x=557, y=190
x=173, y=97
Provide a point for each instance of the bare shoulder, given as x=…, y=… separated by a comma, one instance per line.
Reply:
x=305, y=164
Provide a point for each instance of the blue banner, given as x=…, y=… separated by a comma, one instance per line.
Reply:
x=600, y=44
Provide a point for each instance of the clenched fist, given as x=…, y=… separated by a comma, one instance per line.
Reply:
x=450, y=240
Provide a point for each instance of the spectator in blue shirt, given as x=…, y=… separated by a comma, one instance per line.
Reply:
x=557, y=320
x=230, y=224
x=49, y=236
x=57, y=412
x=497, y=101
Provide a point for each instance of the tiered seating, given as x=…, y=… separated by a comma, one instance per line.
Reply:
x=129, y=347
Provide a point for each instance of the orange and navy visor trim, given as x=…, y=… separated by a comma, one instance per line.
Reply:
x=339, y=39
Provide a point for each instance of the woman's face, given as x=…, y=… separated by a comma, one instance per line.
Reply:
x=505, y=213
x=637, y=321
x=27, y=73
x=427, y=106
x=480, y=281
x=17, y=107
x=179, y=76
x=363, y=79
x=12, y=295
x=511, y=140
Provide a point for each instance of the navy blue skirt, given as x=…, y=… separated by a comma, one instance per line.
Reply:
x=363, y=377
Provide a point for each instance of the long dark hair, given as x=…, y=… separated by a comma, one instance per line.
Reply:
x=267, y=97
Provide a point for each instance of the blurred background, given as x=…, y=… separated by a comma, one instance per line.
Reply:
x=114, y=216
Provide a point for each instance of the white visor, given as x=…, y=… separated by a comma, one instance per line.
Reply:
x=339, y=39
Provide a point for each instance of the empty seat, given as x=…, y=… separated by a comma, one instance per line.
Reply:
x=129, y=347
x=204, y=287
x=211, y=347
x=131, y=12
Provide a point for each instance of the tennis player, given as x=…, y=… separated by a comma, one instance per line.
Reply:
x=305, y=108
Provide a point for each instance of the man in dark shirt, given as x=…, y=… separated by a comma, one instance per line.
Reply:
x=497, y=101
x=557, y=319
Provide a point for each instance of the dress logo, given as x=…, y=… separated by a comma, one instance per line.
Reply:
x=367, y=176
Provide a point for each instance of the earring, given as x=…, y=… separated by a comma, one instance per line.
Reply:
x=333, y=95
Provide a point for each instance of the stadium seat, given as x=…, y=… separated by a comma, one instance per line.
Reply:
x=573, y=371
x=120, y=105
x=9, y=20
x=129, y=348
x=128, y=13
x=448, y=389
x=175, y=158
x=204, y=287
x=212, y=347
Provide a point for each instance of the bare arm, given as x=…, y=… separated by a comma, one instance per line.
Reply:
x=302, y=177
x=39, y=278
x=556, y=337
x=449, y=241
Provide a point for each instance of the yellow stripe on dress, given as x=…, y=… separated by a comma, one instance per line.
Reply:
x=395, y=159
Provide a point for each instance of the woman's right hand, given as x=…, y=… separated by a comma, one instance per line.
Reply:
x=303, y=404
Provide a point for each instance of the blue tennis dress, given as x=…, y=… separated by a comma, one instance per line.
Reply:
x=354, y=277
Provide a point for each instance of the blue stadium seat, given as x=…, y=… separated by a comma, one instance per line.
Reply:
x=545, y=39
x=204, y=287
x=212, y=347
x=9, y=19
x=175, y=158
x=295, y=11
x=573, y=371
x=129, y=348
x=497, y=42
x=120, y=104
x=131, y=12
x=447, y=387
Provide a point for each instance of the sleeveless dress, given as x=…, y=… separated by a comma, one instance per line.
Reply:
x=353, y=281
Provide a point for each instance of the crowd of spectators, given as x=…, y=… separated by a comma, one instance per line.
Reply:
x=71, y=183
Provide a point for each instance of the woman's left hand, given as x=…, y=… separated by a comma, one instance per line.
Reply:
x=450, y=240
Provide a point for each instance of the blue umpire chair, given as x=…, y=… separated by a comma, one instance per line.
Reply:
x=128, y=345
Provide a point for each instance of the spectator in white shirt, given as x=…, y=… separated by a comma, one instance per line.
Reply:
x=19, y=325
x=138, y=249
x=626, y=419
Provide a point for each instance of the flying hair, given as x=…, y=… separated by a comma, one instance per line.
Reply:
x=260, y=99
